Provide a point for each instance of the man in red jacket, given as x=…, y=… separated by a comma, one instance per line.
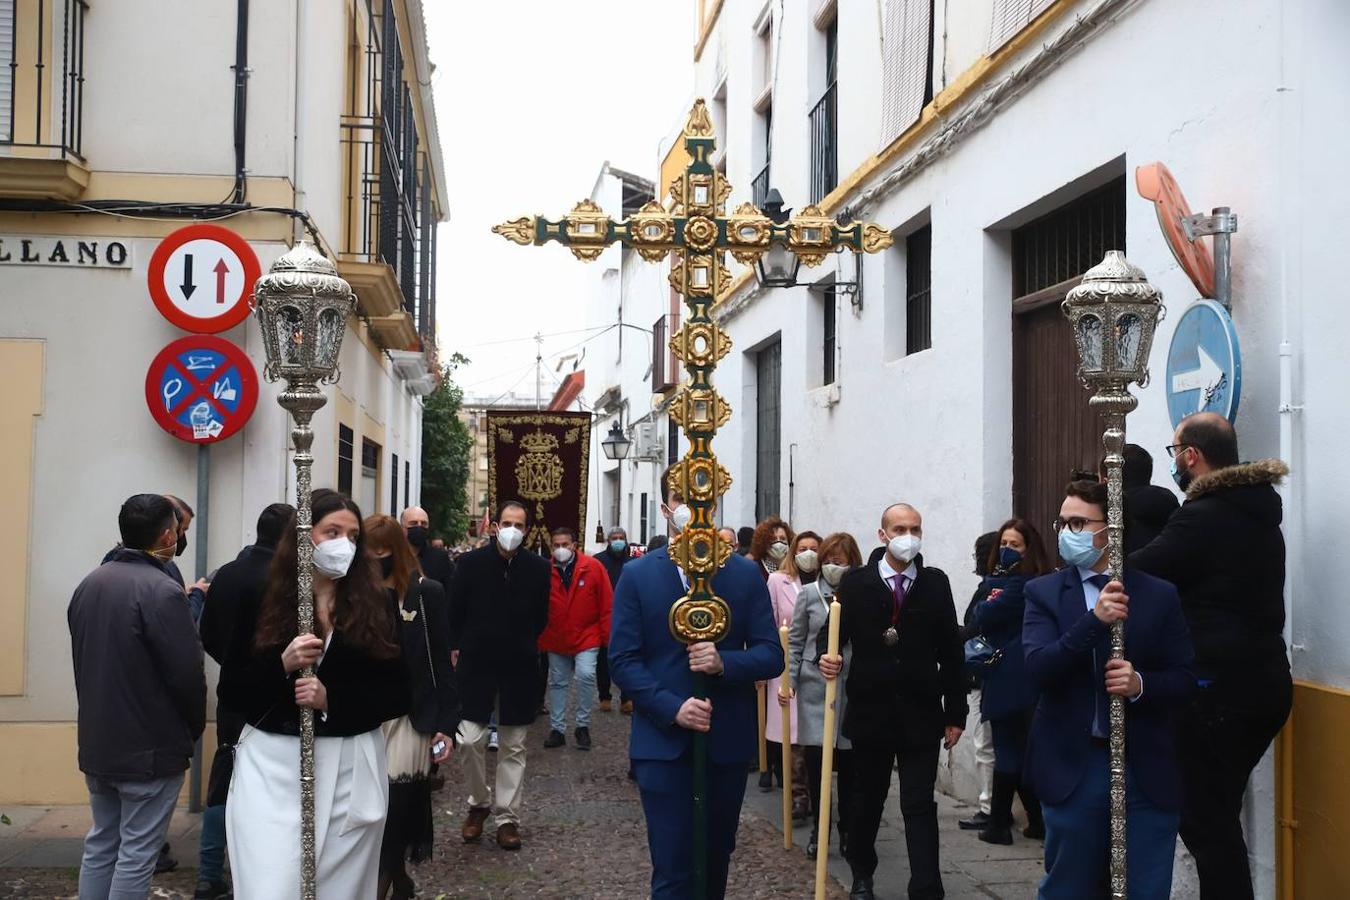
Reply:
x=578, y=624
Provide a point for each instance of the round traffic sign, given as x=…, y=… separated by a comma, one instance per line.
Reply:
x=201, y=278
x=201, y=389
x=1156, y=183
x=1204, y=364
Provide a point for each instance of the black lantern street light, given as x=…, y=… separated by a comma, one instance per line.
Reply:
x=778, y=265
x=616, y=443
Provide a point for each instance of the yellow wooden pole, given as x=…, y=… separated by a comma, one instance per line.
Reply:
x=827, y=758
x=761, y=699
x=785, y=690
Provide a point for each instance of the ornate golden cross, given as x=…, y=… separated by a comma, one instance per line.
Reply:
x=698, y=232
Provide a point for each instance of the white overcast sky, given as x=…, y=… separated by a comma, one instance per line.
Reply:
x=532, y=96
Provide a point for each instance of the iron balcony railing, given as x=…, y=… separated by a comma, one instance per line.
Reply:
x=759, y=188
x=42, y=75
x=824, y=144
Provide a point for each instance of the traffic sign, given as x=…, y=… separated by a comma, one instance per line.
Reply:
x=1156, y=183
x=201, y=389
x=201, y=278
x=1204, y=364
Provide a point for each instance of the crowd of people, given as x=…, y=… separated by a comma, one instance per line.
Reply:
x=415, y=654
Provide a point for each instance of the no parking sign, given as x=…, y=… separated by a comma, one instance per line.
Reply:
x=201, y=389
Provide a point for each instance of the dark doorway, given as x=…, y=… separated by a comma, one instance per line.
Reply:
x=1054, y=433
x=768, y=429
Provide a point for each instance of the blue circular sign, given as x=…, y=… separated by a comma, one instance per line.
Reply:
x=201, y=388
x=1204, y=364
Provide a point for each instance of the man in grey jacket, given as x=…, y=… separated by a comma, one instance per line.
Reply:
x=142, y=699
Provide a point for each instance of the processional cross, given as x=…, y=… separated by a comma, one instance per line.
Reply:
x=698, y=232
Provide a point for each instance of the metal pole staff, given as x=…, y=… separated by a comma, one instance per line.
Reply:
x=203, y=543
x=785, y=693
x=1113, y=314
x=827, y=757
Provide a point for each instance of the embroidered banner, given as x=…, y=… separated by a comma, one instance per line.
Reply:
x=541, y=459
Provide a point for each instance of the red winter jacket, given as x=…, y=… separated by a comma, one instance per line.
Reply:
x=578, y=617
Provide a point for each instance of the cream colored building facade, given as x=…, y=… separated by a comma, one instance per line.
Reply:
x=120, y=123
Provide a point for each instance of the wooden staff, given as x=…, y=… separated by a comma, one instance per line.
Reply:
x=785, y=692
x=760, y=694
x=827, y=758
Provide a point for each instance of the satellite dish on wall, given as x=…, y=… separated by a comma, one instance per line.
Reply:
x=1156, y=183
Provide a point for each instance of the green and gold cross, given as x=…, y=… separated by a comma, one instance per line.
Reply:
x=698, y=232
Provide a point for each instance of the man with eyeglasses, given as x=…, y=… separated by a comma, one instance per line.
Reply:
x=1066, y=636
x=1224, y=551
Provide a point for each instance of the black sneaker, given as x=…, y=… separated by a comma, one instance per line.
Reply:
x=583, y=738
x=165, y=862
x=554, y=740
x=977, y=822
x=217, y=889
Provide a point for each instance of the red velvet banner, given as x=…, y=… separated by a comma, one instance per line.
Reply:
x=541, y=459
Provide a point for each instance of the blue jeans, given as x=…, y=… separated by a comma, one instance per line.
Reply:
x=561, y=672
x=211, y=856
x=131, y=819
x=1077, y=840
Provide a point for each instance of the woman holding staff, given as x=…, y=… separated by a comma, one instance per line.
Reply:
x=807, y=642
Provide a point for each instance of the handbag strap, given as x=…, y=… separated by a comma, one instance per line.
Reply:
x=426, y=630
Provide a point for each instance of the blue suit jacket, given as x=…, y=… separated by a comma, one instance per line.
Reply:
x=652, y=668
x=1066, y=649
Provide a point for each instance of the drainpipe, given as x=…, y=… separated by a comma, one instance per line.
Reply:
x=298, y=142
x=241, y=73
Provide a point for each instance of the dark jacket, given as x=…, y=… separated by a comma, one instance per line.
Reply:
x=652, y=667
x=236, y=596
x=901, y=696
x=498, y=610
x=363, y=691
x=1147, y=509
x=435, y=563
x=139, y=679
x=613, y=563
x=1224, y=551
x=1006, y=690
x=1067, y=647
x=426, y=650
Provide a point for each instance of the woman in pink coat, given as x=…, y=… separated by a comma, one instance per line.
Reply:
x=800, y=566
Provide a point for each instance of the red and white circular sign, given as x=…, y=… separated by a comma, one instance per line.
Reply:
x=201, y=278
x=201, y=388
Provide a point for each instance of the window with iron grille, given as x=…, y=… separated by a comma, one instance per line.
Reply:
x=407, y=482
x=393, y=486
x=346, y=446
x=642, y=519
x=42, y=75
x=828, y=327
x=672, y=442
x=1062, y=245
x=660, y=378
x=824, y=123
x=768, y=429
x=919, y=290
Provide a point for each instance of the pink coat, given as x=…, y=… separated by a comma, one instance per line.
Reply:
x=782, y=597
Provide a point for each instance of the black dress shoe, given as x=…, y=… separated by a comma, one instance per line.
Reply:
x=208, y=889
x=165, y=861
x=1035, y=831
x=554, y=740
x=862, y=889
x=766, y=781
x=977, y=822
x=997, y=834
x=813, y=844
x=583, y=738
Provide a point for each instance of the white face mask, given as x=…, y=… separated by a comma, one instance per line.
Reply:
x=778, y=549
x=905, y=547
x=806, y=561
x=680, y=517
x=333, y=558
x=563, y=555
x=833, y=574
x=509, y=537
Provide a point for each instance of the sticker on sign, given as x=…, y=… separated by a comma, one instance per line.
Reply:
x=201, y=277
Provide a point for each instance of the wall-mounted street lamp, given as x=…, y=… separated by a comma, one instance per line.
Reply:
x=616, y=443
x=778, y=266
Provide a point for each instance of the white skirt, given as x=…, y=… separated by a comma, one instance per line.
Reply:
x=351, y=796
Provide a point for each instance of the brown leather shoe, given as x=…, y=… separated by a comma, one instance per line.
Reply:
x=508, y=837
x=472, y=831
x=626, y=707
x=606, y=706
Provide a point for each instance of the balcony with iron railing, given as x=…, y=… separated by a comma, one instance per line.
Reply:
x=42, y=99
x=759, y=187
x=824, y=144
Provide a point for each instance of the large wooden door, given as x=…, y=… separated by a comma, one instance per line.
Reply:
x=768, y=430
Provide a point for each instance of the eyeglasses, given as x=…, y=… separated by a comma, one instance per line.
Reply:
x=1174, y=449
x=1074, y=523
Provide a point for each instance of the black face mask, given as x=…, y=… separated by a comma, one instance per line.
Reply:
x=182, y=545
x=386, y=566
x=417, y=536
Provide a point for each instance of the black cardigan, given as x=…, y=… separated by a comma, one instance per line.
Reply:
x=363, y=691
x=435, y=702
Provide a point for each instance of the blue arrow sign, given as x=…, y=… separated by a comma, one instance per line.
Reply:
x=1204, y=364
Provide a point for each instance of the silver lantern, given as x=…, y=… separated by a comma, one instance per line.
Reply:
x=1113, y=314
x=302, y=305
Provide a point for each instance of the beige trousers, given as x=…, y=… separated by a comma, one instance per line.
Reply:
x=510, y=776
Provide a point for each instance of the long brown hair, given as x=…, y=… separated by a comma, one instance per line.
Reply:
x=384, y=533
x=361, y=608
x=789, y=564
x=759, y=544
x=1034, y=560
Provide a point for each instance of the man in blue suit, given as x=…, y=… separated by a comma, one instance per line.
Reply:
x=655, y=671
x=1066, y=637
